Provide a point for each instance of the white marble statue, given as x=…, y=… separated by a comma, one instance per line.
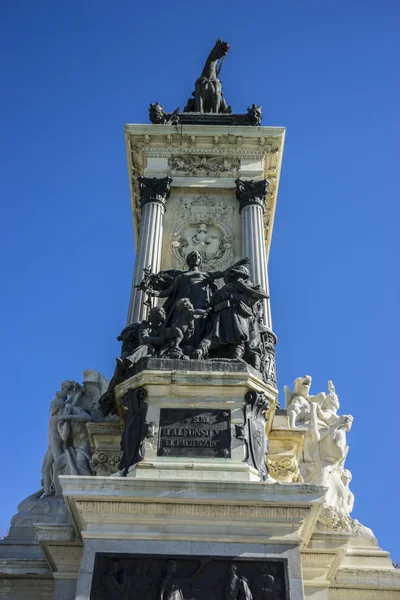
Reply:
x=56, y=445
x=325, y=448
x=70, y=410
x=298, y=401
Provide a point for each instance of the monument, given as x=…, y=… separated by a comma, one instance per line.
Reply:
x=181, y=477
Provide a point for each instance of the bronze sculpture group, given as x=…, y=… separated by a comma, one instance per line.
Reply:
x=199, y=321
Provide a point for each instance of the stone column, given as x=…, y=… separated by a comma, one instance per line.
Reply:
x=154, y=193
x=251, y=196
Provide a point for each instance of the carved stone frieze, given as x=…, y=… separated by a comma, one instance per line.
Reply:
x=226, y=147
x=317, y=559
x=204, y=224
x=32, y=583
x=204, y=165
x=362, y=594
x=206, y=511
x=67, y=552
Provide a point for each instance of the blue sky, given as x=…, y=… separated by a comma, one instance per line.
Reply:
x=73, y=73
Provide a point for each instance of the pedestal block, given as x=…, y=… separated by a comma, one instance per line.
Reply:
x=199, y=419
x=204, y=520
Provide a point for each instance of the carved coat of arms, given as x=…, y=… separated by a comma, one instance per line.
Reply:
x=204, y=224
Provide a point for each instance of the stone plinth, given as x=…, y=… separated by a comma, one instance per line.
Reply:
x=198, y=518
x=194, y=391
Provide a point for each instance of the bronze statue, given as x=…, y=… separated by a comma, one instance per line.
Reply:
x=208, y=96
x=232, y=314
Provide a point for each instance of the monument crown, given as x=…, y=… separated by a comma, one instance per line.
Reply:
x=207, y=105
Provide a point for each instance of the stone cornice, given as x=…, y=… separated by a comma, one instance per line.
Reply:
x=262, y=144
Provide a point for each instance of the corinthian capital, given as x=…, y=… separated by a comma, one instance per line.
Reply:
x=154, y=189
x=251, y=192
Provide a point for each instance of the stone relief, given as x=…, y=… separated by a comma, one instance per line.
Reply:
x=71, y=409
x=204, y=224
x=333, y=520
x=204, y=165
x=325, y=447
x=136, y=429
x=253, y=432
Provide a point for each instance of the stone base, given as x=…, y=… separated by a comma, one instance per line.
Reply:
x=193, y=470
x=196, y=388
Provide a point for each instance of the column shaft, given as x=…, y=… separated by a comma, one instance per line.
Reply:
x=148, y=254
x=253, y=246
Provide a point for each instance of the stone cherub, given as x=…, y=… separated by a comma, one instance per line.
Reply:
x=298, y=401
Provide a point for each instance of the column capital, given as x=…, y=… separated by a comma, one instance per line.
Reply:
x=251, y=193
x=154, y=189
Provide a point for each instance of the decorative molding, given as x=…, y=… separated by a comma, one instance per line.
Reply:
x=363, y=594
x=317, y=559
x=221, y=150
x=192, y=510
x=284, y=468
x=203, y=165
x=106, y=462
x=24, y=584
x=59, y=551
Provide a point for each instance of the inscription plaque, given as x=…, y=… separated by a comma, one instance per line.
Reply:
x=152, y=577
x=194, y=432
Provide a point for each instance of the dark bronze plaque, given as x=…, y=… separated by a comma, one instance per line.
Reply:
x=194, y=432
x=152, y=577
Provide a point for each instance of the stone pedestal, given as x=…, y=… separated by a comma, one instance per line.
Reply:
x=199, y=417
x=192, y=518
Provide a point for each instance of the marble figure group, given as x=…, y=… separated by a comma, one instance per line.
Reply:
x=325, y=448
x=71, y=409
